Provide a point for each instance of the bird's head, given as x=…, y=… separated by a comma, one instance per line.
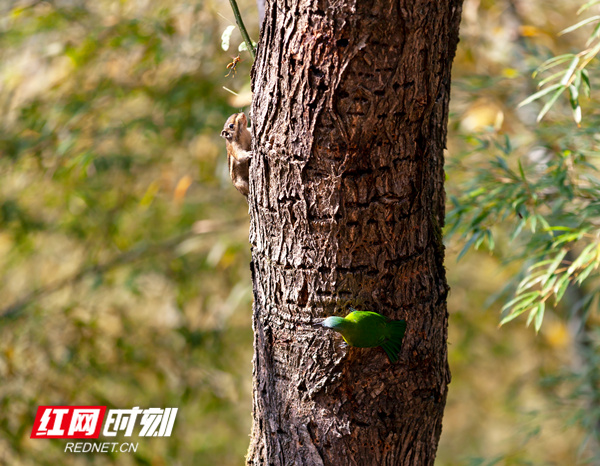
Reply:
x=335, y=323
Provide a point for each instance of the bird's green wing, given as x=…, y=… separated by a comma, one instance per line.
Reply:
x=369, y=329
x=393, y=344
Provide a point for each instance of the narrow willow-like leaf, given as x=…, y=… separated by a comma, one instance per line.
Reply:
x=543, y=221
x=560, y=287
x=490, y=237
x=577, y=114
x=521, y=300
x=587, y=5
x=552, y=62
x=554, y=265
x=539, y=316
x=518, y=229
x=570, y=70
x=539, y=94
x=583, y=275
x=585, y=78
x=531, y=316
x=520, y=309
x=552, y=77
x=549, y=284
x=594, y=35
x=549, y=104
x=591, y=19
x=529, y=282
x=584, y=257
x=467, y=246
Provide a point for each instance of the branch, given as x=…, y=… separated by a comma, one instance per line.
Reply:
x=240, y=23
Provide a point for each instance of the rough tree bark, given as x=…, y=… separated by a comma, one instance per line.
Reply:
x=347, y=205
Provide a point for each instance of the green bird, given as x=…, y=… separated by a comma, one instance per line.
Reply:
x=364, y=329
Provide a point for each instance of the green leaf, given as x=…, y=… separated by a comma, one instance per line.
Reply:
x=552, y=77
x=539, y=316
x=533, y=223
x=518, y=229
x=591, y=19
x=570, y=70
x=490, y=237
x=542, y=220
x=469, y=243
x=554, y=265
x=585, y=78
x=587, y=5
x=560, y=287
x=583, y=275
x=577, y=114
x=594, y=35
x=552, y=62
x=585, y=256
x=521, y=300
x=521, y=308
x=549, y=104
x=531, y=316
x=549, y=284
x=539, y=94
x=530, y=281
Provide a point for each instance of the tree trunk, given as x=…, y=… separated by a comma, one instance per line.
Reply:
x=347, y=204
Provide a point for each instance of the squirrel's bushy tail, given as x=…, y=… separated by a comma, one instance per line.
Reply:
x=392, y=345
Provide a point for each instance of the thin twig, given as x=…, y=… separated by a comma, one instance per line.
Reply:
x=240, y=23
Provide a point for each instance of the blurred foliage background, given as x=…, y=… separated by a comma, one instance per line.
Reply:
x=124, y=277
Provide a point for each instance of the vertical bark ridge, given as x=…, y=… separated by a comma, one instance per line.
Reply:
x=347, y=205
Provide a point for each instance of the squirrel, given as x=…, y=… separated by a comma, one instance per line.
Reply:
x=239, y=142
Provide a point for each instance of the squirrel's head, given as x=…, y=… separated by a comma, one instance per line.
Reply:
x=232, y=125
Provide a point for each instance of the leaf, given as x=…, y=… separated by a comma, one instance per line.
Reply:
x=582, y=258
x=594, y=35
x=577, y=114
x=530, y=281
x=539, y=316
x=543, y=221
x=539, y=94
x=583, y=275
x=552, y=62
x=585, y=78
x=521, y=300
x=531, y=316
x=570, y=70
x=522, y=172
x=560, y=287
x=490, y=237
x=226, y=37
x=552, y=77
x=591, y=19
x=574, y=99
x=549, y=104
x=533, y=223
x=469, y=243
x=518, y=229
x=587, y=5
x=553, y=266
x=521, y=308
x=549, y=284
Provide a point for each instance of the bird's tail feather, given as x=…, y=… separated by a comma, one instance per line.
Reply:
x=394, y=343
